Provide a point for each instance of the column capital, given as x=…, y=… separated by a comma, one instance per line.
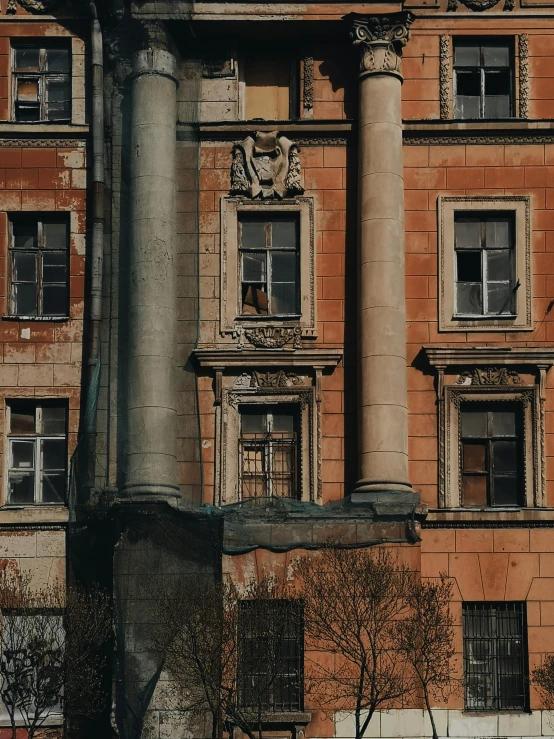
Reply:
x=380, y=40
x=152, y=55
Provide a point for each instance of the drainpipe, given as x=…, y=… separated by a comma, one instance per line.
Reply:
x=97, y=187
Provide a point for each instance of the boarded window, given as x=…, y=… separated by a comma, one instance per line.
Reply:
x=41, y=82
x=271, y=88
x=491, y=442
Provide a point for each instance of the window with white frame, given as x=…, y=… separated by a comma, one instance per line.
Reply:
x=37, y=452
x=38, y=269
x=41, y=81
x=484, y=263
x=484, y=245
x=483, y=78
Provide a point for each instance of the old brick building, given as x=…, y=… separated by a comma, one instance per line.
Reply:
x=346, y=308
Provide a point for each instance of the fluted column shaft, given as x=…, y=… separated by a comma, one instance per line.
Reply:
x=382, y=390
x=151, y=453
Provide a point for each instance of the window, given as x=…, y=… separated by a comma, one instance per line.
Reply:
x=38, y=265
x=484, y=263
x=269, y=265
x=37, y=453
x=271, y=88
x=41, y=82
x=484, y=245
x=483, y=79
x=495, y=660
x=268, y=451
x=491, y=454
x=271, y=655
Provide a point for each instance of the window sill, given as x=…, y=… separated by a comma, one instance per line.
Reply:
x=37, y=513
x=474, y=317
x=42, y=319
x=40, y=126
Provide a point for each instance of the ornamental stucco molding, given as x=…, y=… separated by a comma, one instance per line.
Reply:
x=267, y=166
x=523, y=53
x=380, y=40
x=445, y=77
x=479, y=5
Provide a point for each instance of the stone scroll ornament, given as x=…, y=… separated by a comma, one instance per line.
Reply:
x=380, y=40
x=266, y=167
x=479, y=5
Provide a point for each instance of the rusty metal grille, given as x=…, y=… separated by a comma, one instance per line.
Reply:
x=495, y=656
x=271, y=656
x=268, y=449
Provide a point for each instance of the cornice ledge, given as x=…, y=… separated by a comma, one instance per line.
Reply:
x=446, y=356
x=213, y=357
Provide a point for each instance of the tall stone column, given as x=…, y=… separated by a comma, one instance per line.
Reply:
x=382, y=390
x=151, y=452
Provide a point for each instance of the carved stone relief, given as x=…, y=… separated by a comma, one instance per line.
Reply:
x=308, y=82
x=266, y=167
x=445, y=77
x=272, y=337
x=33, y=6
x=267, y=379
x=489, y=376
x=479, y=5
x=523, y=52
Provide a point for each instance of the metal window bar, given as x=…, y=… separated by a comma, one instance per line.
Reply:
x=495, y=656
x=271, y=656
x=268, y=465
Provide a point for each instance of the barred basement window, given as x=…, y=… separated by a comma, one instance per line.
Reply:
x=483, y=79
x=37, y=452
x=491, y=452
x=269, y=265
x=41, y=82
x=268, y=452
x=495, y=656
x=39, y=247
x=484, y=245
x=271, y=656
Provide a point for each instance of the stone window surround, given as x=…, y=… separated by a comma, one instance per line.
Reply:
x=503, y=384
x=303, y=396
x=77, y=74
x=520, y=205
x=527, y=397
x=520, y=68
x=230, y=318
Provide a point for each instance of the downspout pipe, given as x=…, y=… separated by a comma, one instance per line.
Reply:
x=97, y=207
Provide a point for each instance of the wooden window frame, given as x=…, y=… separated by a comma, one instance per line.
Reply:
x=480, y=41
x=38, y=219
x=36, y=439
x=520, y=206
x=42, y=76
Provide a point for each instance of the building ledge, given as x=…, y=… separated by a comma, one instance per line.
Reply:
x=42, y=130
x=219, y=357
x=307, y=128
x=33, y=515
x=487, y=518
x=447, y=356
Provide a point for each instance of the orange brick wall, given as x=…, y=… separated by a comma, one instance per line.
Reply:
x=48, y=362
x=470, y=170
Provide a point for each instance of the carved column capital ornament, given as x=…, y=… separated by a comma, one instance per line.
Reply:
x=380, y=40
x=267, y=166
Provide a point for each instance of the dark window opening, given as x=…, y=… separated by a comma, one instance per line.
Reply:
x=37, y=452
x=268, y=451
x=491, y=454
x=269, y=265
x=42, y=82
x=271, y=656
x=272, y=90
x=483, y=78
x=39, y=247
x=484, y=248
x=495, y=656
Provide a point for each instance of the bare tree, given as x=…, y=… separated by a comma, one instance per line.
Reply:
x=352, y=601
x=425, y=636
x=51, y=651
x=225, y=650
x=543, y=679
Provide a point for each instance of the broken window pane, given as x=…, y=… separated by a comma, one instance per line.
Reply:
x=500, y=298
x=25, y=235
x=468, y=94
x=25, y=267
x=57, y=60
x=21, y=487
x=254, y=300
x=253, y=267
x=55, y=234
x=469, y=298
x=25, y=299
x=22, y=418
x=469, y=266
x=53, y=419
x=499, y=265
x=58, y=104
x=27, y=91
